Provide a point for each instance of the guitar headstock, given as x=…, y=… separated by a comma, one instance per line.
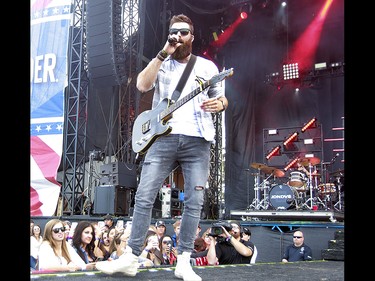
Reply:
x=221, y=76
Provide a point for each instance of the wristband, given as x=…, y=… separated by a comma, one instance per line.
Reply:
x=147, y=250
x=224, y=108
x=228, y=238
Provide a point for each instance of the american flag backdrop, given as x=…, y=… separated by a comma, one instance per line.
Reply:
x=49, y=40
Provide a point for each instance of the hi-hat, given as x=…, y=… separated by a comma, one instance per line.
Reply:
x=278, y=173
x=338, y=173
x=258, y=166
x=309, y=160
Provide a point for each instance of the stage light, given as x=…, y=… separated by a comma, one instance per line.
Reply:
x=290, y=71
x=274, y=152
x=308, y=141
x=245, y=10
x=97, y=155
x=293, y=137
x=309, y=155
x=308, y=125
x=287, y=167
x=272, y=132
x=321, y=65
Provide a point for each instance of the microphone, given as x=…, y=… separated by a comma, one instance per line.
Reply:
x=172, y=41
x=334, y=158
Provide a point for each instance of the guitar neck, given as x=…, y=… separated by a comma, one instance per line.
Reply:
x=183, y=100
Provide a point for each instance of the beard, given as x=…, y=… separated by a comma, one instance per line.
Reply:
x=183, y=51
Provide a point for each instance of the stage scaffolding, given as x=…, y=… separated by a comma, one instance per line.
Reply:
x=75, y=154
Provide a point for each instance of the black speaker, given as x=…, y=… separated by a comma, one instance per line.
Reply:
x=113, y=199
x=105, y=51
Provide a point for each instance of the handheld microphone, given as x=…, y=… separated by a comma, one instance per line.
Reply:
x=334, y=158
x=172, y=41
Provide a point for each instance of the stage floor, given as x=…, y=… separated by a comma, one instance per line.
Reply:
x=313, y=270
x=307, y=215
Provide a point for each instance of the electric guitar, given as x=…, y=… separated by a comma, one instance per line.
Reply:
x=151, y=124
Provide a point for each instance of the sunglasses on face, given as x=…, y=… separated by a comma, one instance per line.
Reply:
x=167, y=242
x=57, y=230
x=297, y=237
x=183, y=31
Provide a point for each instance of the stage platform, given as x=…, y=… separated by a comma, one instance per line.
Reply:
x=313, y=270
x=307, y=215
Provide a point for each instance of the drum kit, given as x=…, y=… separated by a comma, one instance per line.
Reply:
x=302, y=191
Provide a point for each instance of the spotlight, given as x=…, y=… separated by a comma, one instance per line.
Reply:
x=97, y=155
x=291, y=163
x=273, y=132
x=290, y=71
x=291, y=138
x=308, y=125
x=274, y=152
x=245, y=10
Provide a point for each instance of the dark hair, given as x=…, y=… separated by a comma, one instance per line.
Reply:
x=182, y=18
x=76, y=241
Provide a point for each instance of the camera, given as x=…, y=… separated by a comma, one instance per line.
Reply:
x=216, y=229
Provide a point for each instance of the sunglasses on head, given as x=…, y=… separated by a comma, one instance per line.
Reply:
x=57, y=230
x=183, y=31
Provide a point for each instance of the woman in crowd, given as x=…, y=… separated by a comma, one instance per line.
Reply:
x=55, y=253
x=84, y=243
x=36, y=240
x=169, y=252
x=151, y=249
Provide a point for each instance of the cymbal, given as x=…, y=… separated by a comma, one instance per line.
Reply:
x=258, y=166
x=278, y=173
x=274, y=171
x=307, y=161
x=338, y=173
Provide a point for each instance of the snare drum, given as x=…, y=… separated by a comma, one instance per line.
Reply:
x=298, y=181
x=282, y=196
x=327, y=188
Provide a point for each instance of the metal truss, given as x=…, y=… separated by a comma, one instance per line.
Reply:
x=214, y=196
x=75, y=116
x=129, y=96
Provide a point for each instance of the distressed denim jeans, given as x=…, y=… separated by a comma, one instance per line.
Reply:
x=193, y=155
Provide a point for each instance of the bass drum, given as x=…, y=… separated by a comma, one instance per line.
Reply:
x=283, y=197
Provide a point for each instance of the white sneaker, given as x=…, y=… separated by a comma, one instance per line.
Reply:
x=127, y=264
x=184, y=270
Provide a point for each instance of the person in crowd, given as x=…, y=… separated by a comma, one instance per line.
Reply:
x=298, y=251
x=102, y=249
x=169, y=252
x=176, y=230
x=186, y=141
x=199, y=256
x=108, y=221
x=246, y=233
x=83, y=242
x=151, y=249
x=228, y=247
x=31, y=226
x=118, y=244
x=55, y=254
x=160, y=228
x=198, y=233
x=68, y=235
x=36, y=240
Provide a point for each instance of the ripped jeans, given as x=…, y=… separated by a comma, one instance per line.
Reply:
x=193, y=155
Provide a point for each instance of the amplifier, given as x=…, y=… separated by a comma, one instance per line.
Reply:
x=113, y=199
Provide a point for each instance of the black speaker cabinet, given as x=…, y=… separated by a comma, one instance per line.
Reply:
x=113, y=199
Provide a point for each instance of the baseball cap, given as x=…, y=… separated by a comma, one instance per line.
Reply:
x=108, y=217
x=247, y=231
x=159, y=223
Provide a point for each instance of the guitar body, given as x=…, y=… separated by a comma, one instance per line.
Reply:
x=149, y=126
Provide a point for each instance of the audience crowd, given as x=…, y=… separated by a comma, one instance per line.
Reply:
x=72, y=246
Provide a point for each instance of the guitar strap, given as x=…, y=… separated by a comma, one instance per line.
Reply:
x=181, y=83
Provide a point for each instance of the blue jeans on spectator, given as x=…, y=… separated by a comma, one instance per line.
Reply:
x=33, y=262
x=193, y=155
